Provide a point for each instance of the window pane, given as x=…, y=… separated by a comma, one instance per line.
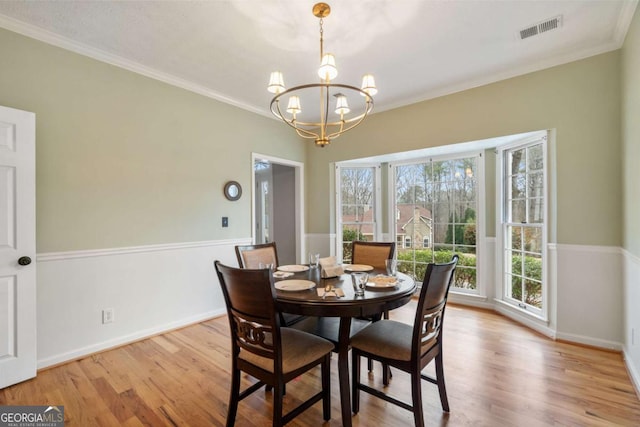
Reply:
x=516, y=263
x=533, y=267
x=517, y=161
x=518, y=186
x=534, y=157
x=465, y=278
x=441, y=213
x=516, y=238
x=533, y=240
x=516, y=288
x=536, y=211
x=518, y=213
x=533, y=293
x=535, y=184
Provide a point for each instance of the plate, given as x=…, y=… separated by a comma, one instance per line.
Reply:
x=293, y=268
x=358, y=267
x=382, y=282
x=294, y=285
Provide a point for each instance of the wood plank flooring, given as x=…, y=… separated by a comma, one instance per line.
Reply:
x=498, y=374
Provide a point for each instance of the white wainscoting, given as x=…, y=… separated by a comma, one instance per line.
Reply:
x=585, y=293
x=631, y=299
x=589, y=295
x=151, y=289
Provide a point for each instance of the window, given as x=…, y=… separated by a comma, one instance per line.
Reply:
x=357, y=213
x=437, y=201
x=524, y=225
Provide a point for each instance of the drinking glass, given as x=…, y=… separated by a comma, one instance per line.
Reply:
x=359, y=281
x=268, y=265
x=392, y=267
x=314, y=260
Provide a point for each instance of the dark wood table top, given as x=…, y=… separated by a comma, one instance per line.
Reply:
x=374, y=301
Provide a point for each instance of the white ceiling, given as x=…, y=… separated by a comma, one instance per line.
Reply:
x=416, y=49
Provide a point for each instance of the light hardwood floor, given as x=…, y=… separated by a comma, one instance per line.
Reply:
x=498, y=374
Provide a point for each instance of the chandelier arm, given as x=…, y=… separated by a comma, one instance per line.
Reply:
x=344, y=125
x=359, y=119
x=293, y=123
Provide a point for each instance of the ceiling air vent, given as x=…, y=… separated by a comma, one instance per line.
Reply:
x=541, y=27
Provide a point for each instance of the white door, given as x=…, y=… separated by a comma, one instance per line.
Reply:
x=17, y=247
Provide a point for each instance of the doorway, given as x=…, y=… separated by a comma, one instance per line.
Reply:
x=278, y=206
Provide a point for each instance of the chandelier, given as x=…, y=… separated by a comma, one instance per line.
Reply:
x=327, y=125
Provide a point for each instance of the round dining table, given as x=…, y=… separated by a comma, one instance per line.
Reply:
x=341, y=305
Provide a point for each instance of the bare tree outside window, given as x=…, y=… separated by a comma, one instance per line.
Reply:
x=357, y=190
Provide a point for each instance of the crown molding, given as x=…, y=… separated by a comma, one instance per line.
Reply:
x=54, y=39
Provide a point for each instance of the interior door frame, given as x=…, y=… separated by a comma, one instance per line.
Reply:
x=299, y=205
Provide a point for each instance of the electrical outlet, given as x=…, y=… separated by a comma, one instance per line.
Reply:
x=225, y=221
x=107, y=315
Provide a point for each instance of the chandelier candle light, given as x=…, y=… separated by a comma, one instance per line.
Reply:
x=329, y=126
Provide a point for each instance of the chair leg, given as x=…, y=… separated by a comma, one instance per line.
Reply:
x=326, y=387
x=386, y=374
x=278, y=395
x=233, y=397
x=440, y=380
x=416, y=396
x=355, y=381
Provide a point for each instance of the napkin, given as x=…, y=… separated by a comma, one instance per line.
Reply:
x=330, y=267
x=281, y=274
x=337, y=292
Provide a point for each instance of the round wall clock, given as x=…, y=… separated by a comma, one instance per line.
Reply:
x=232, y=190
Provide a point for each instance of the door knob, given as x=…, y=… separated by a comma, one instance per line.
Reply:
x=24, y=260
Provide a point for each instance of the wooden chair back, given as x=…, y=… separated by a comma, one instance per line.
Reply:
x=250, y=256
x=372, y=253
x=427, y=329
x=250, y=299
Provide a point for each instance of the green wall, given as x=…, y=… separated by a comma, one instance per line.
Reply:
x=580, y=100
x=125, y=160
x=631, y=135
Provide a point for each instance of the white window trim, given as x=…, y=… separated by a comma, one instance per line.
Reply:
x=500, y=290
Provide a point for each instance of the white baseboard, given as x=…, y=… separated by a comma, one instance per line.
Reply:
x=633, y=372
x=593, y=342
x=126, y=339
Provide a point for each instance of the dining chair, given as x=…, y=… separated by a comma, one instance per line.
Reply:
x=409, y=348
x=372, y=253
x=250, y=256
x=264, y=349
